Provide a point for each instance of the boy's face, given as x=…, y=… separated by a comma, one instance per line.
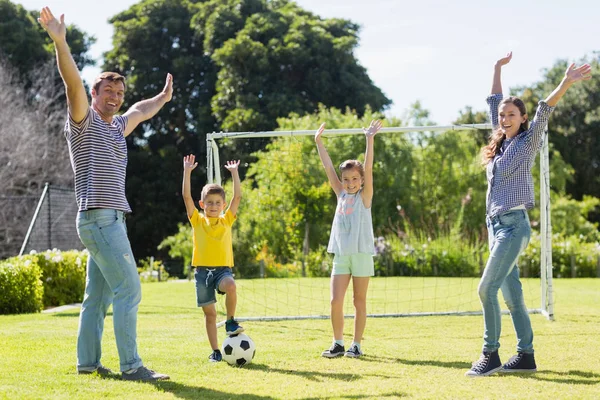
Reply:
x=351, y=180
x=213, y=205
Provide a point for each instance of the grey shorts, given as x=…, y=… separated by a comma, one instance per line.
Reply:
x=207, y=283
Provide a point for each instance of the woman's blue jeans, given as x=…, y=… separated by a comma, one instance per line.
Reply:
x=112, y=277
x=509, y=234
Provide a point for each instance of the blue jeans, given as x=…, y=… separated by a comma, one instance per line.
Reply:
x=112, y=277
x=509, y=235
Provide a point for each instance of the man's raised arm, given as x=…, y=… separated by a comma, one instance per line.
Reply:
x=76, y=96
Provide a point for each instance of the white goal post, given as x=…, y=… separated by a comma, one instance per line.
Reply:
x=547, y=304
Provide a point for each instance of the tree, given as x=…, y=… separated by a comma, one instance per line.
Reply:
x=33, y=150
x=26, y=46
x=573, y=126
x=237, y=65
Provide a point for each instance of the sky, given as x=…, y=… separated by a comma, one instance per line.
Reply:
x=439, y=52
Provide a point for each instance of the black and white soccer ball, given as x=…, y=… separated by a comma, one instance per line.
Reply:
x=238, y=350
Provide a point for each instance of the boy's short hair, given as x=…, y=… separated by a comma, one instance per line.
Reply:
x=108, y=76
x=212, y=188
x=353, y=164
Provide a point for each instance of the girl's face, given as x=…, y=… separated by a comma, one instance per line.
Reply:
x=351, y=180
x=510, y=119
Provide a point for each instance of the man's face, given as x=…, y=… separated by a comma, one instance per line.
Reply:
x=109, y=97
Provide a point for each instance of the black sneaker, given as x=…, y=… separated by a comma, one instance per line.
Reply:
x=522, y=362
x=144, y=374
x=101, y=370
x=487, y=364
x=232, y=327
x=336, y=350
x=353, y=352
x=216, y=356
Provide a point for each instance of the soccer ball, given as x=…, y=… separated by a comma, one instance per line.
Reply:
x=238, y=350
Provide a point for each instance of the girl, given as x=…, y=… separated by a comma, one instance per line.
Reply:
x=351, y=240
x=508, y=158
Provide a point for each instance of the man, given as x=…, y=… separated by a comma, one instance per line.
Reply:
x=96, y=141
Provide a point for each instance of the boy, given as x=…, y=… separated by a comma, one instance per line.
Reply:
x=213, y=251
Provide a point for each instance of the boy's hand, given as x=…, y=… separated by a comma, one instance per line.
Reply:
x=232, y=165
x=189, y=163
x=319, y=132
x=373, y=128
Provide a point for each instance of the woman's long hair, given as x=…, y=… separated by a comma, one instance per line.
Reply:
x=495, y=144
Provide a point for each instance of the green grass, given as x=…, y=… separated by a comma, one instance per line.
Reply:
x=423, y=357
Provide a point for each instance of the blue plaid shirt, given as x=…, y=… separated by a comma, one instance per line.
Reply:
x=510, y=183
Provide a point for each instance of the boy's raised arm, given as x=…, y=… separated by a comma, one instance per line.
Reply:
x=189, y=164
x=232, y=166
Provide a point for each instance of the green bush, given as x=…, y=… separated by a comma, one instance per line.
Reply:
x=423, y=257
x=63, y=275
x=568, y=252
x=152, y=270
x=21, y=289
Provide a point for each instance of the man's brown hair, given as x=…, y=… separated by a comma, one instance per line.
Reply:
x=109, y=76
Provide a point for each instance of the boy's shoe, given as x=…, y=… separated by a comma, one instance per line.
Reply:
x=216, y=356
x=336, y=350
x=353, y=352
x=144, y=374
x=101, y=370
x=522, y=362
x=487, y=364
x=232, y=327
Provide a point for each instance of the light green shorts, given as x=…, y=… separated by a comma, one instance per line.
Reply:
x=359, y=264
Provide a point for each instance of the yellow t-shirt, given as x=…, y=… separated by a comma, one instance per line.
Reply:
x=212, y=240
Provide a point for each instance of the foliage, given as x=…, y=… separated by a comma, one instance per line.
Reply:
x=572, y=257
x=63, y=275
x=574, y=125
x=416, y=256
x=180, y=245
x=151, y=270
x=237, y=65
x=26, y=46
x=20, y=286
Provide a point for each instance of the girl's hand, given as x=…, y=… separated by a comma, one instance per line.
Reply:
x=504, y=60
x=189, y=162
x=373, y=128
x=582, y=73
x=319, y=132
x=232, y=165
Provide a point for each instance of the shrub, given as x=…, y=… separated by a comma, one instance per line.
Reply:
x=151, y=270
x=21, y=289
x=63, y=275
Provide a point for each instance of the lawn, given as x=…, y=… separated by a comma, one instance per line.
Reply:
x=424, y=357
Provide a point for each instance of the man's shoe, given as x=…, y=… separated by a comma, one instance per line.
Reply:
x=487, y=364
x=232, y=327
x=336, y=350
x=522, y=362
x=216, y=356
x=353, y=352
x=143, y=374
x=101, y=370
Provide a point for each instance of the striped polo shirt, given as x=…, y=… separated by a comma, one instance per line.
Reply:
x=98, y=155
x=510, y=183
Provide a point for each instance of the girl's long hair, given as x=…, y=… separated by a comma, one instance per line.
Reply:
x=489, y=151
